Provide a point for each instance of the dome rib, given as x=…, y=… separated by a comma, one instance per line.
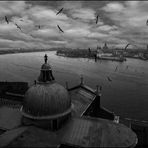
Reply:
x=46, y=100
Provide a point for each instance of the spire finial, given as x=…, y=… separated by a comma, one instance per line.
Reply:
x=82, y=80
x=45, y=58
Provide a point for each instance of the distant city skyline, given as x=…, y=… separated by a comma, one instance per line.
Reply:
x=119, y=23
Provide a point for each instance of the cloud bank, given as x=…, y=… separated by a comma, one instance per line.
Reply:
x=119, y=23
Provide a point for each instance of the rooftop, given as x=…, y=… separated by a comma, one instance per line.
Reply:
x=72, y=108
x=84, y=132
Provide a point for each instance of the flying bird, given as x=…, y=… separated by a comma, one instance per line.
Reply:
x=18, y=27
x=109, y=79
x=126, y=46
x=147, y=22
x=31, y=35
x=59, y=11
x=100, y=88
x=6, y=19
x=97, y=19
x=60, y=28
x=39, y=26
x=116, y=68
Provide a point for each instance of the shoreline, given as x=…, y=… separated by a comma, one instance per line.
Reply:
x=69, y=56
x=27, y=51
x=2, y=52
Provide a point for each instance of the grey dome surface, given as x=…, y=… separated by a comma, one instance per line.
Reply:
x=45, y=66
x=47, y=99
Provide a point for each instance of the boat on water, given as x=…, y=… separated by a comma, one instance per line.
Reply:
x=111, y=58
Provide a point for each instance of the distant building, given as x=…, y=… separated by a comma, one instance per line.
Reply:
x=101, y=53
x=105, y=47
x=50, y=115
x=98, y=47
x=143, y=55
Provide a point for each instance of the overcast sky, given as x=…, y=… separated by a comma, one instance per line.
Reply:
x=119, y=23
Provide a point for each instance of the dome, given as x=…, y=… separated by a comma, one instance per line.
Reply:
x=46, y=100
x=45, y=66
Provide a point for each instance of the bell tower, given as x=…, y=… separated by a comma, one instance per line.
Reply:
x=105, y=47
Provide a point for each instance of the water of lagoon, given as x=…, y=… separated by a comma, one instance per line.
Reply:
x=126, y=94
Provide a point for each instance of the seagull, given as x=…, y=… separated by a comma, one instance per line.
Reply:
x=100, y=88
x=97, y=19
x=126, y=46
x=6, y=19
x=147, y=22
x=59, y=11
x=109, y=79
x=116, y=68
x=60, y=28
x=18, y=27
x=39, y=26
x=31, y=35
